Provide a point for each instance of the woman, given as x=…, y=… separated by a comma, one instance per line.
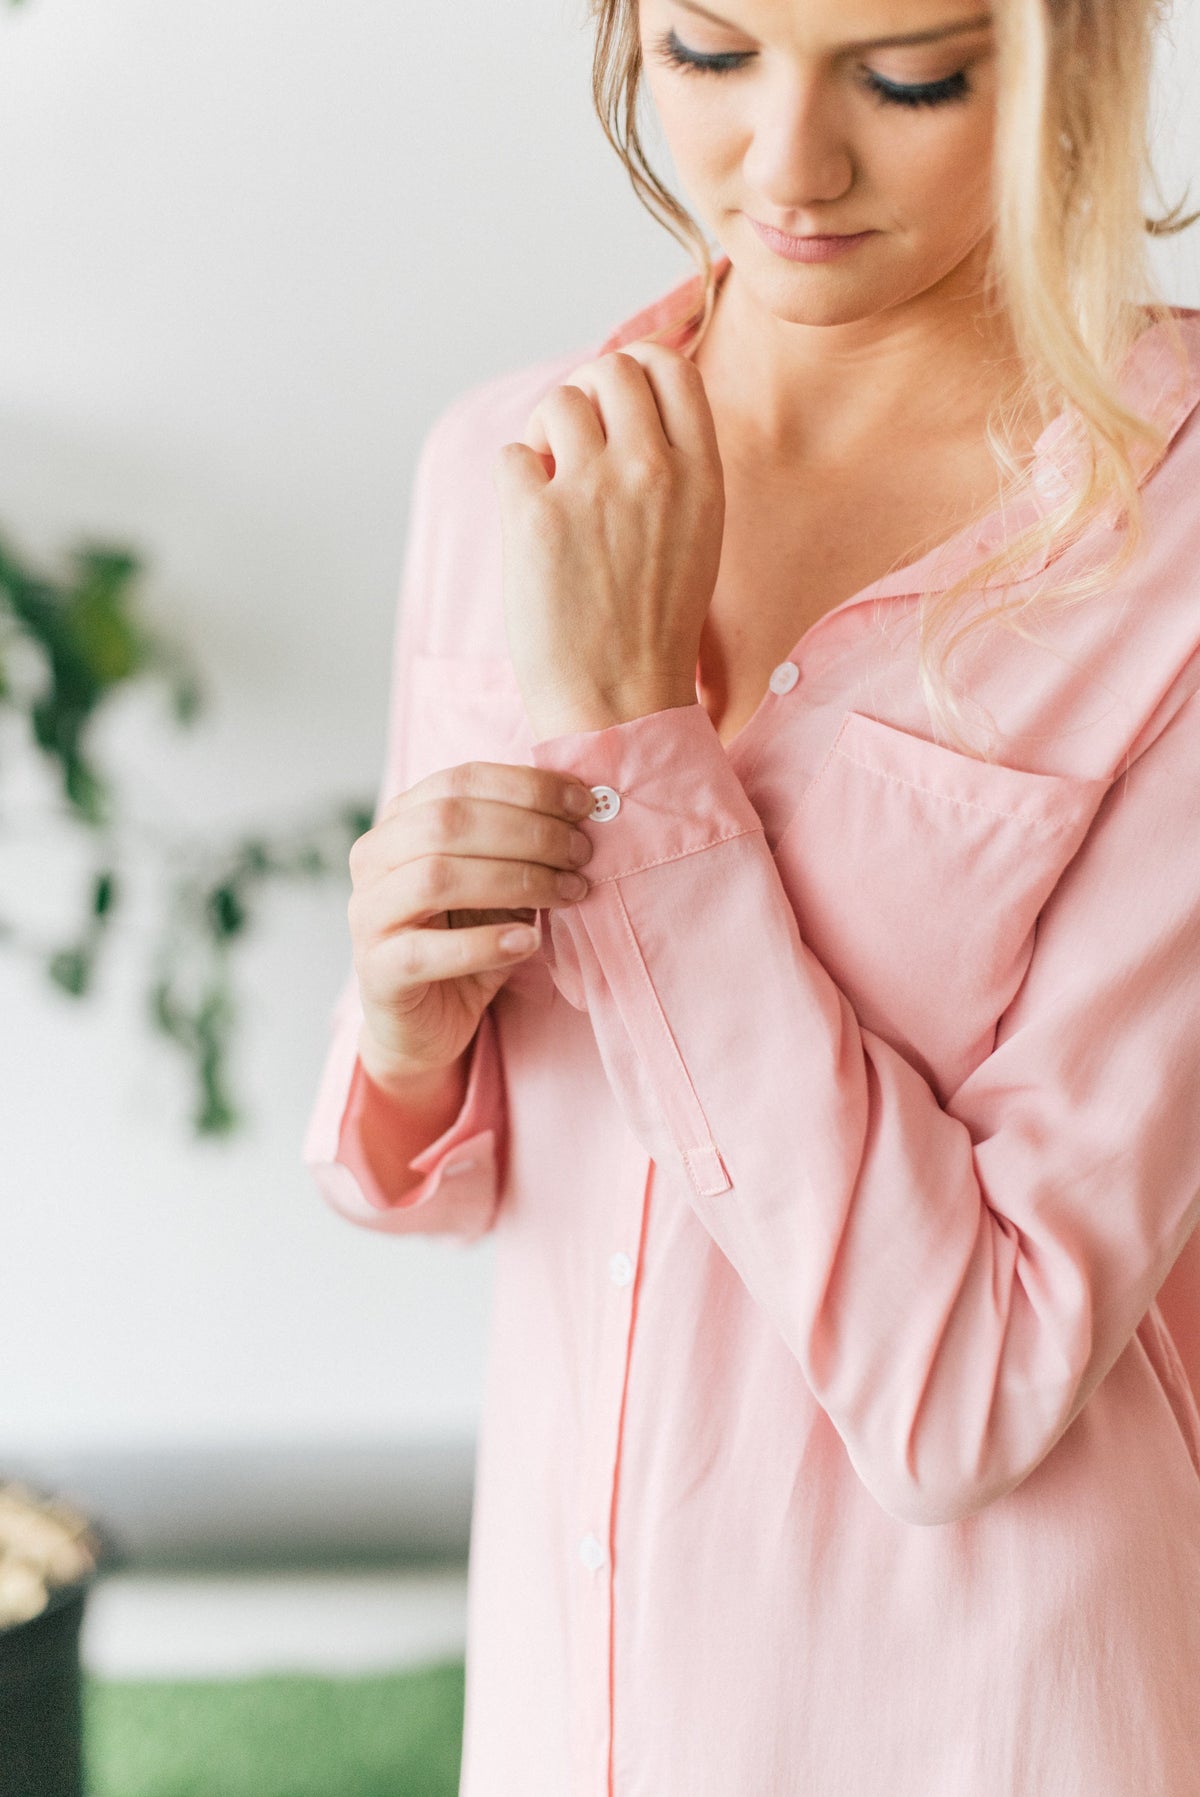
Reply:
x=840, y=1142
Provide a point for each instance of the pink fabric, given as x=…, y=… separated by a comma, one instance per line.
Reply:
x=841, y=1154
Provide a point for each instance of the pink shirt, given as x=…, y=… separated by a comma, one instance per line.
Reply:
x=841, y=1151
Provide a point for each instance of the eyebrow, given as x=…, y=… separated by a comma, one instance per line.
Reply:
x=866, y=43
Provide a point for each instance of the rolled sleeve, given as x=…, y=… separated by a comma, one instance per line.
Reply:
x=459, y=1191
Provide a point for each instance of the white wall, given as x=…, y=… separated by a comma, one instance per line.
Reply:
x=246, y=256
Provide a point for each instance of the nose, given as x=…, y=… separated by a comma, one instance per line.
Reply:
x=798, y=153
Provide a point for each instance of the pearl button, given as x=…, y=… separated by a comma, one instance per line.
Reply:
x=620, y=1269
x=608, y=803
x=458, y=1167
x=784, y=677
x=591, y=1552
x=1050, y=482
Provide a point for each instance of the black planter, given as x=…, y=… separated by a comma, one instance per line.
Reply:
x=41, y=1722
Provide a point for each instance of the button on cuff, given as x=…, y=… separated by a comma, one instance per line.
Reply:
x=608, y=803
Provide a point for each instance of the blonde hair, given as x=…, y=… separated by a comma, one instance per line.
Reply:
x=1069, y=266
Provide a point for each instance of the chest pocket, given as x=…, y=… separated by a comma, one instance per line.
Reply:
x=917, y=874
x=469, y=708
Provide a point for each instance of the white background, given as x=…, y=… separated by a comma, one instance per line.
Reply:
x=248, y=253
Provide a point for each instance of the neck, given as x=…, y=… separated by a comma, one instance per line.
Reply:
x=803, y=393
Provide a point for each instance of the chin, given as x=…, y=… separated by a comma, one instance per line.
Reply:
x=792, y=295
x=826, y=294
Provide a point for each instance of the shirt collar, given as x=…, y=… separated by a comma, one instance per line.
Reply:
x=1150, y=383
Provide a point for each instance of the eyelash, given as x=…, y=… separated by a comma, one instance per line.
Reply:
x=927, y=93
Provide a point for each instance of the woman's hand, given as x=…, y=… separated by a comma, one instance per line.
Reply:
x=450, y=864
x=612, y=509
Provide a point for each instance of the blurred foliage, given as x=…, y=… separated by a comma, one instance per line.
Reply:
x=87, y=643
x=91, y=643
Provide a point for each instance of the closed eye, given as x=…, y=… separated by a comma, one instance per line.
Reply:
x=923, y=93
x=671, y=50
x=895, y=93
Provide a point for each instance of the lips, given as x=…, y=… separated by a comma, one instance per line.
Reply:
x=810, y=247
x=805, y=236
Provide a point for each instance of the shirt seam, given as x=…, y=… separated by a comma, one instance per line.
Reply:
x=1044, y=826
x=662, y=860
x=688, y=1098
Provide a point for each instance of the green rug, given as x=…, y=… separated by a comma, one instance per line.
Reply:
x=389, y=1735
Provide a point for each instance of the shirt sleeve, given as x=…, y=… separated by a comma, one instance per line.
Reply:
x=463, y=1170
x=459, y=1191
x=954, y=1277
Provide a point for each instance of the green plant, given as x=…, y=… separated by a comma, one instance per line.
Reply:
x=82, y=641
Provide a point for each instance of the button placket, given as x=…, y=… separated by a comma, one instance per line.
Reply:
x=593, y=1547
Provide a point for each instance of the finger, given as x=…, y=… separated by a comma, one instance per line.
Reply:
x=535, y=435
x=679, y=394
x=456, y=826
x=516, y=783
x=622, y=399
x=567, y=421
x=435, y=884
x=455, y=819
x=630, y=403
x=415, y=957
x=519, y=471
x=581, y=377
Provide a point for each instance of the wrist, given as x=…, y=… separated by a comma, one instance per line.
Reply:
x=599, y=710
x=408, y=1082
x=400, y=1114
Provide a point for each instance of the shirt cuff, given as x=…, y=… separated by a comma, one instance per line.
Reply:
x=459, y=1191
x=667, y=789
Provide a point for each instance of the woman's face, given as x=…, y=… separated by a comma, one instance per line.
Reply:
x=797, y=114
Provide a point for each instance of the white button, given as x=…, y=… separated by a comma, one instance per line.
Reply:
x=608, y=803
x=620, y=1269
x=1051, y=482
x=784, y=677
x=591, y=1552
x=458, y=1167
